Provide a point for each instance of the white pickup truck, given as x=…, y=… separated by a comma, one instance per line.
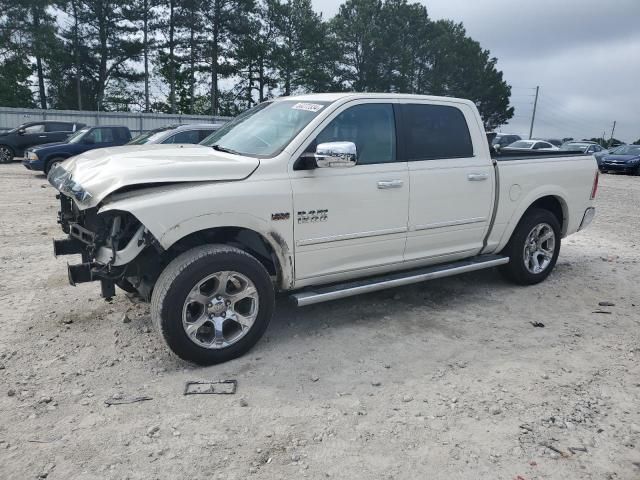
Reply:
x=322, y=196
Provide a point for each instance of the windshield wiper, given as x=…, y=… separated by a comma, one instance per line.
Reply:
x=224, y=149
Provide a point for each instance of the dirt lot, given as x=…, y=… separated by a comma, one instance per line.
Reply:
x=443, y=380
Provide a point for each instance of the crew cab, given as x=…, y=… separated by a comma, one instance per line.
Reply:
x=45, y=157
x=320, y=196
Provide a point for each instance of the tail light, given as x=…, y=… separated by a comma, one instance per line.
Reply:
x=594, y=189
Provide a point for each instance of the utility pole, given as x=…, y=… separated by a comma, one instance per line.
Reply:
x=613, y=129
x=533, y=116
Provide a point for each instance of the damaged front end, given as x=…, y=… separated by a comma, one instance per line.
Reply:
x=108, y=242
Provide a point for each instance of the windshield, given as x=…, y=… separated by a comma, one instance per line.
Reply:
x=627, y=150
x=266, y=129
x=76, y=137
x=521, y=144
x=149, y=137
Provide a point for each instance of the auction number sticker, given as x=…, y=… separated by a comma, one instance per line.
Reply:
x=309, y=107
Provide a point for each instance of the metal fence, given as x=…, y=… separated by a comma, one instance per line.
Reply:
x=137, y=122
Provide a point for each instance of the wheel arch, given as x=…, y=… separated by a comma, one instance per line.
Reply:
x=269, y=249
x=554, y=202
x=53, y=156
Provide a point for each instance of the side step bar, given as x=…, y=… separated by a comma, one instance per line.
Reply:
x=348, y=289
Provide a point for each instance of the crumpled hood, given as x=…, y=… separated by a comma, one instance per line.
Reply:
x=92, y=176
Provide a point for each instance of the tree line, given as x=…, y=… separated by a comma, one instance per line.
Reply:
x=221, y=56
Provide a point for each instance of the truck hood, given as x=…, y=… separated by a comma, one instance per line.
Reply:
x=41, y=147
x=92, y=176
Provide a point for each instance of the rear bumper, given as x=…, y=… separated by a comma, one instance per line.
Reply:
x=587, y=218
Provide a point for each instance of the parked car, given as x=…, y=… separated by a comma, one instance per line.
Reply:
x=44, y=157
x=357, y=191
x=604, y=152
x=176, y=134
x=501, y=140
x=625, y=158
x=584, y=147
x=553, y=141
x=531, y=145
x=14, y=142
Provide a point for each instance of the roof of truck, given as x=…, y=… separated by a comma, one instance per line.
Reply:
x=332, y=97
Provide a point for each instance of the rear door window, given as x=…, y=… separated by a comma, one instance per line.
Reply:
x=430, y=132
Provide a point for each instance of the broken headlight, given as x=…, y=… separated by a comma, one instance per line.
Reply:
x=62, y=180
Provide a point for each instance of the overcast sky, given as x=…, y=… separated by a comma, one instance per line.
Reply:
x=584, y=55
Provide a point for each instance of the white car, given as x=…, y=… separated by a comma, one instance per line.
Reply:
x=532, y=145
x=321, y=196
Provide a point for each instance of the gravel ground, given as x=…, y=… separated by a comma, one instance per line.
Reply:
x=442, y=380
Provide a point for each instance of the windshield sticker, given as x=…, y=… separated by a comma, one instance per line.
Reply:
x=309, y=107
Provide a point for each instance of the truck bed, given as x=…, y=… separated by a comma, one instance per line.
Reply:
x=505, y=156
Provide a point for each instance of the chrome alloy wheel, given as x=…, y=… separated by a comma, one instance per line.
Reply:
x=220, y=310
x=6, y=155
x=539, y=248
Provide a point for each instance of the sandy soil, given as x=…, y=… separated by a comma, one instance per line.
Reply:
x=442, y=380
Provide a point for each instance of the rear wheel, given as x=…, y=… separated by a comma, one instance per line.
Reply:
x=212, y=304
x=6, y=154
x=533, y=248
x=53, y=163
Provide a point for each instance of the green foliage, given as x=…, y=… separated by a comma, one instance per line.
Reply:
x=221, y=56
x=14, y=83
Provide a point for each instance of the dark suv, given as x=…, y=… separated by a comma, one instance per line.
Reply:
x=14, y=142
x=44, y=157
x=502, y=140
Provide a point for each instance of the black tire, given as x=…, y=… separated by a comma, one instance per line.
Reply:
x=51, y=163
x=6, y=154
x=516, y=270
x=178, y=279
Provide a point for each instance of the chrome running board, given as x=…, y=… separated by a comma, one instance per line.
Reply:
x=348, y=289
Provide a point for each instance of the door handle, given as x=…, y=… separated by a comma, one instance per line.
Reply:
x=477, y=177
x=42, y=136
x=384, y=184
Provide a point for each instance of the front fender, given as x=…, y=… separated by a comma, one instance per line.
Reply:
x=236, y=220
x=172, y=213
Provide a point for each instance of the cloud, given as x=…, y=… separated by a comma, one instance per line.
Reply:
x=584, y=54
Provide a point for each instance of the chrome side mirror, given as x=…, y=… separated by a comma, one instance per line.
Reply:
x=336, y=155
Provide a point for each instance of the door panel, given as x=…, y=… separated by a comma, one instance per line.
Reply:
x=34, y=135
x=448, y=211
x=348, y=219
x=452, y=189
x=345, y=222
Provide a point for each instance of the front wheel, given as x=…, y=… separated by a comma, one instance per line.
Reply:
x=52, y=164
x=533, y=248
x=212, y=304
x=6, y=154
